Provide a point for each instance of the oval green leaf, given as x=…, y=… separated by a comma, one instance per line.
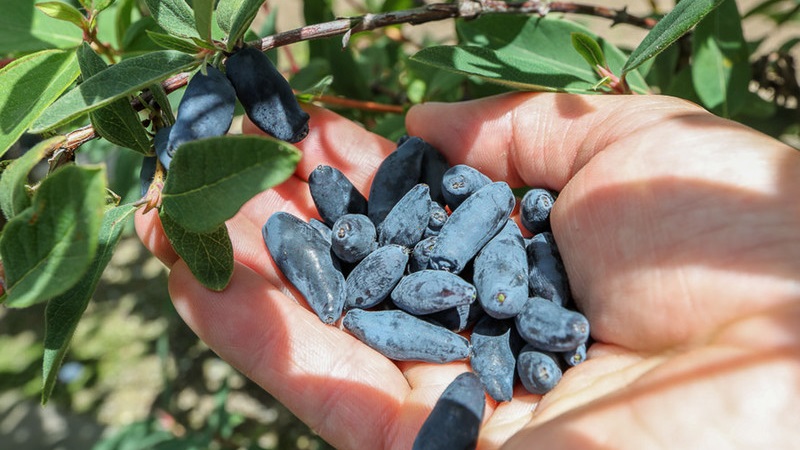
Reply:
x=65, y=310
x=48, y=247
x=125, y=78
x=24, y=29
x=62, y=11
x=203, y=12
x=675, y=24
x=535, y=53
x=172, y=42
x=720, y=67
x=118, y=122
x=209, y=255
x=242, y=18
x=210, y=179
x=589, y=49
x=13, y=193
x=174, y=16
x=27, y=86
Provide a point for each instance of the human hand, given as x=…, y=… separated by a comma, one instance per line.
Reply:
x=677, y=230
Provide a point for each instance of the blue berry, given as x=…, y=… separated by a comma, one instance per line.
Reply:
x=547, y=277
x=402, y=337
x=206, y=109
x=353, y=237
x=471, y=226
x=501, y=273
x=408, y=218
x=535, y=210
x=266, y=96
x=334, y=195
x=539, y=371
x=305, y=259
x=494, y=360
x=430, y=291
x=373, y=279
x=551, y=327
x=455, y=421
x=461, y=181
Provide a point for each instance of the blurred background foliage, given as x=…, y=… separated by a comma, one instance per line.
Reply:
x=136, y=377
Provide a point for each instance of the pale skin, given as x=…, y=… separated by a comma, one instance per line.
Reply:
x=680, y=232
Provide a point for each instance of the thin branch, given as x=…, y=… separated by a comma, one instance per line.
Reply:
x=359, y=104
x=464, y=9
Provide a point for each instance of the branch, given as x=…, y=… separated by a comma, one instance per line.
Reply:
x=464, y=9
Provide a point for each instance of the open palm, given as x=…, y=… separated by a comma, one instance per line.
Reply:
x=679, y=232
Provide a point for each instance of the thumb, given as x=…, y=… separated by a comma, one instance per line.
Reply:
x=538, y=139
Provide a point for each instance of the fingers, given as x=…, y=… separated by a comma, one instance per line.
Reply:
x=343, y=389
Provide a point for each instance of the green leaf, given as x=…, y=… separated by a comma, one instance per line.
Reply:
x=224, y=14
x=210, y=179
x=319, y=88
x=589, y=49
x=101, y=5
x=720, y=67
x=160, y=97
x=241, y=20
x=24, y=29
x=208, y=255
x=123, y=18
x=545, y=45
x=62, y=11
x=27, y=86
x=64, y=311
x=118, y=122
x=675, y=24
x=174, y=16
x=48, y=247
x=508, y=70
x=124, y=78
x=203, y=12
x=173, y=43
x=13, y=193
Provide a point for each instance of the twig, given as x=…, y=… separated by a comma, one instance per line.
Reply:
x=464, y=9
x=359, y=104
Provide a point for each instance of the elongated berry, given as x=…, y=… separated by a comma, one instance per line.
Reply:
x=161, y=145
x=539, y=371
x=304, y=257
x=477, y=220
x=547, y=277
x=403, y=337
x=456, y=417
x=372, y=279
x=534, y=210
x=334, y=195
x=501, y=273
x=461, y=181
x=407, y=220
x=353, y=237
x=575, y=357
x=494, y=359
x=322, y=228
x=551, y=327
x=146, y=174
x=430, y=291
x=397, y=174
x=421, y=254
x=206, y=109
x=436, y=221
x=456, y=319
x=434, y=166
x=266, y=96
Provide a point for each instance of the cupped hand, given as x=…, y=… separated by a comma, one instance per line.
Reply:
x=679, y=232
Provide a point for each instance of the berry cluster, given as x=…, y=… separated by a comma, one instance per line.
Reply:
x=207, y=107
x=412, y=279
